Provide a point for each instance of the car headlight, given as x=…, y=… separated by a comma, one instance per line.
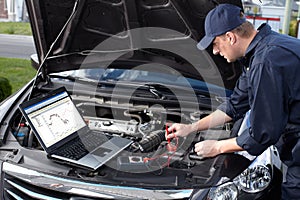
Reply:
x=254, y=179
x=227, y=191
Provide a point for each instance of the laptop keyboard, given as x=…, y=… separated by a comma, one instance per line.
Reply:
x=79, y=147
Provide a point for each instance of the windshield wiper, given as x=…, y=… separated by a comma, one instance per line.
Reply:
x=155, y=92
x=162, y=91
x=74, y=78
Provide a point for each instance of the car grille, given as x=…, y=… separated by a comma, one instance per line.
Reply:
x=22, y=183
x=17, y=189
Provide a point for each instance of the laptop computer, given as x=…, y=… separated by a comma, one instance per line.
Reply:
x=65, y=136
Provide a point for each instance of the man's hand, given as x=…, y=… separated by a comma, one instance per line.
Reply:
x=211, y=148
x=180, y=130
x=216, y=118
x=208, y=148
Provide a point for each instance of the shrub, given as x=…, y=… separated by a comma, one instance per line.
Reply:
x=5, y=88
x=293, y=28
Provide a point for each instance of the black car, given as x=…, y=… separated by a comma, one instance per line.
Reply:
x=131, y=68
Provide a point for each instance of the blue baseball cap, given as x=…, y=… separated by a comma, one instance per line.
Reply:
x=223, y=18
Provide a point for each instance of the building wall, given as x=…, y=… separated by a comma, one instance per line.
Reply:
x=13, y=10
x=274, y=11
x=3, y=9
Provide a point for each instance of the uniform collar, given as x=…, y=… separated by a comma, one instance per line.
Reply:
x=263, y=31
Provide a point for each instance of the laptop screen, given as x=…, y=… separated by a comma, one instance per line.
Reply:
x=55, y=118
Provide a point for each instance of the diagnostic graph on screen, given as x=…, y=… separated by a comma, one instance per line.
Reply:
x=57, y=121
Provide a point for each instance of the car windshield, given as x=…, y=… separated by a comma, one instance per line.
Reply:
x=142, y=76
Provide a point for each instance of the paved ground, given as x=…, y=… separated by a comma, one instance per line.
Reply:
x=16, y=46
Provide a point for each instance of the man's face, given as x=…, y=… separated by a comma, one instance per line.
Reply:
x=222, y=46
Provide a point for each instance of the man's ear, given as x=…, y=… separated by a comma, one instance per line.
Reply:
x=230, y=37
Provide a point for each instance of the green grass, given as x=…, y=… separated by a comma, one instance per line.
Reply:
x=18, y=28
x=17, y=71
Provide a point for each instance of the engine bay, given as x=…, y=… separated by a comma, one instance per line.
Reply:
x=150, y=155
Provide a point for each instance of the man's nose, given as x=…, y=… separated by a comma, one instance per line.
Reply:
x=216, y=51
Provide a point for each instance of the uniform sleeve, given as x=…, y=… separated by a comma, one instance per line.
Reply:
x=238, y=103
x=269, y=112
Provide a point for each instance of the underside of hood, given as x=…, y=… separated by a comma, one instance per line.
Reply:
x=65, y=32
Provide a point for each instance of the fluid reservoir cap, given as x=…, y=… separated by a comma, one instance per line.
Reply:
x=107, y=123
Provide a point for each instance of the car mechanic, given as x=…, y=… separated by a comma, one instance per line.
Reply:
x=268, y=86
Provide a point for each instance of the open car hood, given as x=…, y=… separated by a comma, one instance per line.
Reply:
x=66, y=32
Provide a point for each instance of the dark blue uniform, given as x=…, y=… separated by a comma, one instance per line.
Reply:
x=270, y=87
